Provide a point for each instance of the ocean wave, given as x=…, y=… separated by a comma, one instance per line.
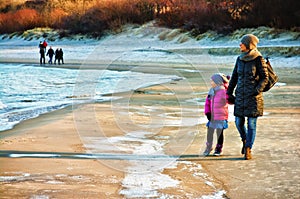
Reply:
x=27, y=92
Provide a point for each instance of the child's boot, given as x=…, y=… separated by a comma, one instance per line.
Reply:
x=218, y=150
x=208, y=149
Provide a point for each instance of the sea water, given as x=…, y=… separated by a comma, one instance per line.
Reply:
x=27, y=90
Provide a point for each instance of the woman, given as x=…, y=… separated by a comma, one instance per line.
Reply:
x=249, y=77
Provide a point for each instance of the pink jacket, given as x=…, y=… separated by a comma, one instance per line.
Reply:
x=217, y=105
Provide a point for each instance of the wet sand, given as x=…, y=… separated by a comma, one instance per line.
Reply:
x=272, y=173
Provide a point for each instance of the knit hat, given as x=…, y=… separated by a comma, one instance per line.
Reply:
x=250, y=41
x=219, y=78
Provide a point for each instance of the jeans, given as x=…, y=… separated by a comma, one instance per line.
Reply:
x=249, y=133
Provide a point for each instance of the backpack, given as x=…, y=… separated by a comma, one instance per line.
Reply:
x=45, y=44
x=273, y=78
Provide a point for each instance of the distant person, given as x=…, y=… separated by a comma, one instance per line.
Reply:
x=216, y=111
x=60, y=56
x=41, y=45
x=45, y=44
x=42, y=53
x=50, y=53
x=56, y=55
x=249, y=77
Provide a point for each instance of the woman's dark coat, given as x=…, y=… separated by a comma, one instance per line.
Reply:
x=249, y=78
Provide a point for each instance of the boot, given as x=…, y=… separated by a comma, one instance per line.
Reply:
x=243, y=148
x=218, y=150
x=248, y=155
x=208, y=149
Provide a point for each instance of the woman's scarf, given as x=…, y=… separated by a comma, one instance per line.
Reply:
x=250, y=55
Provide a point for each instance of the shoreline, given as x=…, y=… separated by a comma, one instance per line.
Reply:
x=105, y=95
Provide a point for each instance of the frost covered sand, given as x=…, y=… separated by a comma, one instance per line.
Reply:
x=149, y=129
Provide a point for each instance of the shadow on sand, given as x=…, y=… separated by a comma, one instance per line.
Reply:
x=65, y=155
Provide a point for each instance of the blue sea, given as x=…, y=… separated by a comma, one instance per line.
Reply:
x=27, y=91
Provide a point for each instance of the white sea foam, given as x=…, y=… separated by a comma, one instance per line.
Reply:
x=143, y=178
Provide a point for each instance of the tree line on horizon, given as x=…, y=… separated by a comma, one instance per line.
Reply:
x=94, y=17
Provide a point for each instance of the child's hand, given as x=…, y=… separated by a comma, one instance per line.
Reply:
x=208, y=115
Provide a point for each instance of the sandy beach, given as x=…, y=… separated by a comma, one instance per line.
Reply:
x=60, y=154
x=273, y=173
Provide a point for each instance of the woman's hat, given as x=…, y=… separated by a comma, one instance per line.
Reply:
x=250, y=41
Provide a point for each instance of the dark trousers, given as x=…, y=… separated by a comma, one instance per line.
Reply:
x=50, y=59
x=60, y=60
x=42, y=59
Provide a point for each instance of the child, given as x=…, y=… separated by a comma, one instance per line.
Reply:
x=216, y=111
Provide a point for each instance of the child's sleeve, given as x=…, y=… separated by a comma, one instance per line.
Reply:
x=207, y=107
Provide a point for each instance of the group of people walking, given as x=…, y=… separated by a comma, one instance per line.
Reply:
x=244, y=90
x=58, y=54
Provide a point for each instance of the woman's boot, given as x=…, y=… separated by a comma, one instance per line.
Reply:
x=243, y=148
x=248, y=155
